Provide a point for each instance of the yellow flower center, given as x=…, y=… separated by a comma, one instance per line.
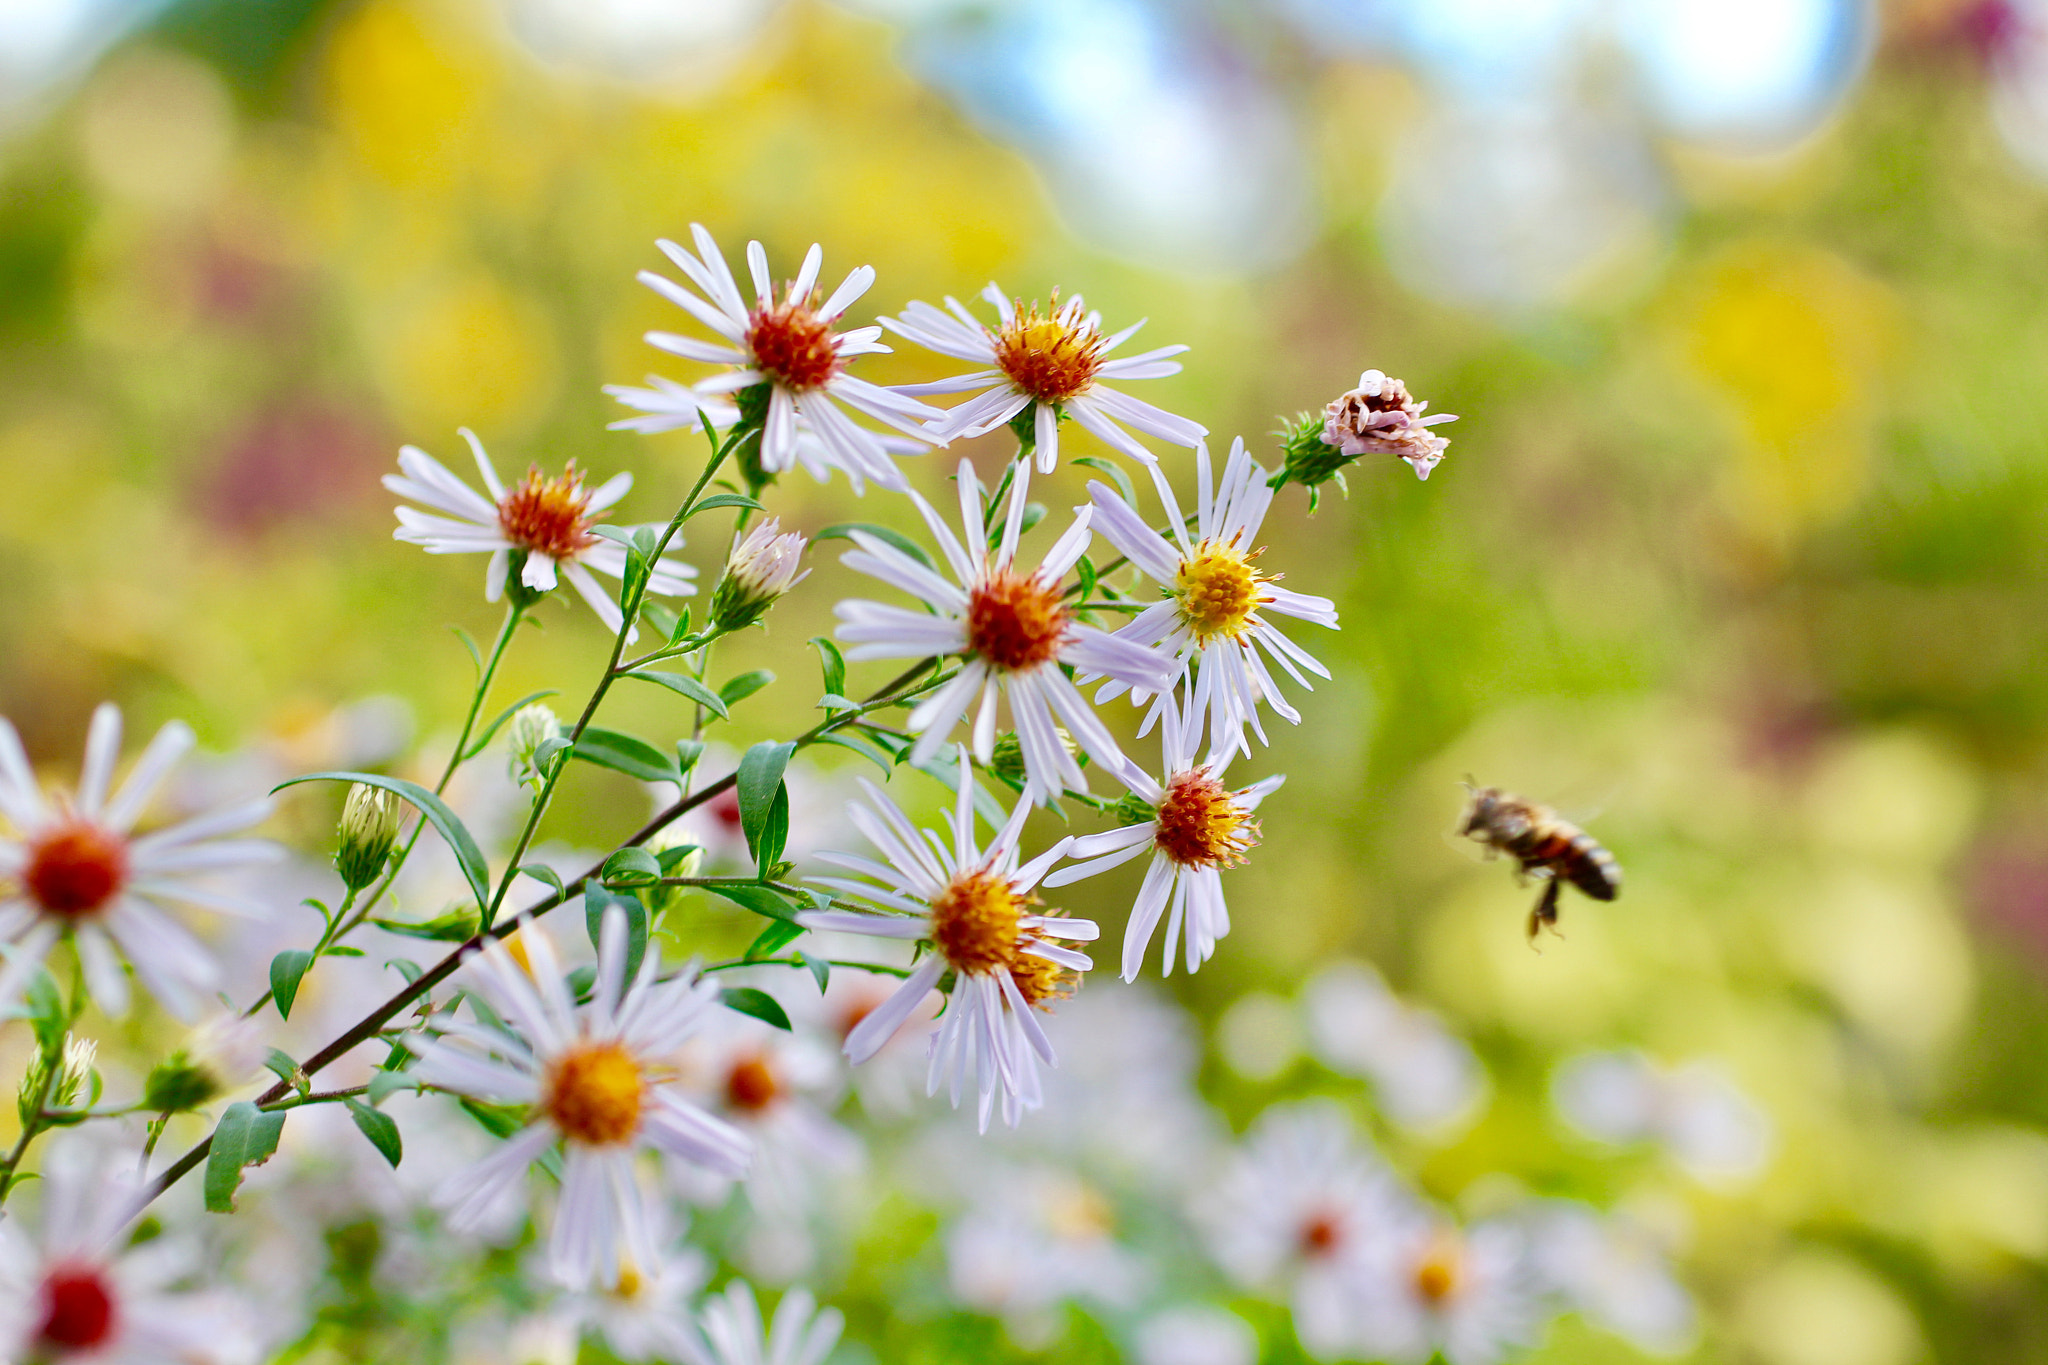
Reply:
x=1016, y=621
x=1200, y=824
x=548, y=516
x=629, y=1284
x=594, y=1094
x=1218, y=590
x=1050, y=357
x=974, y=922
x=793, y=346
x=75, y=868
x=1440, y=1274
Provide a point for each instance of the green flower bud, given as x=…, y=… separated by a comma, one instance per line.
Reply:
x=762, y=568
x=369, y=827
x=1007, y=759
x=74, y=1070
x=530, y=727
x=220, y=1056
x=1132, y=809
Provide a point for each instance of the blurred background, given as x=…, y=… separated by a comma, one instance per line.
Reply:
x=1739, y=555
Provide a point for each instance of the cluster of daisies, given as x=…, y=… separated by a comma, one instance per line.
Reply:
x=1023, y=667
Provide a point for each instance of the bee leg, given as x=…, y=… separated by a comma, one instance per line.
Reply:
x=1544, y=916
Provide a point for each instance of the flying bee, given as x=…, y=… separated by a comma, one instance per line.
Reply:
x=1545, y=845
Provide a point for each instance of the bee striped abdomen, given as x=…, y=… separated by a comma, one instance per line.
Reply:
x=1592, y=868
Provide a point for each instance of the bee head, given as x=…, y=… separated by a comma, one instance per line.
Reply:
x=1480, y=806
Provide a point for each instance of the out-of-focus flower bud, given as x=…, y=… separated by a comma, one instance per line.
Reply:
x=221, y=1055
x=691, y=864
x=530, y=727
x=1377, y=417
x=74, y=1069
x=369, y=827
x=1007, y=759
x=763, y=567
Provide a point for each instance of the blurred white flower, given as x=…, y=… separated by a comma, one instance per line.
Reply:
x=1615, y=1272
x=642, y=1310
x=1052, y=363
x=1427, y=1288
x=1424, y=1077
x=69, y=1293
x=733, y=1334
x=1196, y=1334
x=1293, y=1212
x=1713, y=1131
x=598, y=1080
x=546, y=520
x=791, y=347
x=1036, y=1238
x=76, y=870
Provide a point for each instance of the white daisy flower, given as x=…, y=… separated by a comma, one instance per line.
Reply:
x=791, y=347
x=1616, y=1273
x=598, y=1080
x=974, y=908
x=1701, y=1119
x=549, y=520
x=1197, y=828
x=1015, y=629
x=1295, y=1210
x=1429, y=1288
x=1035, y=1238
x=733, y=1333
x=70, y=1293
x=1053, y=363
x=1425, y=1078
x=74, y=867
x=1213, y=615
x=642, y=1310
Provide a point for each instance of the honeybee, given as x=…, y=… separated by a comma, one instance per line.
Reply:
x=1545, y=845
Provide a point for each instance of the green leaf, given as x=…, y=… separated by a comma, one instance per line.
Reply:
x=475, y=870
x=541, y=872
x=484, y=736
x=1116, y=474
x=832, y=701
x=342, y=950
x=470, y=645
x=46, y=1011
x=454, y=927
x=684, y=684
x=625, y=753
x=245, y=1136
x=762, y=900
x=744, y=686
x=688, y=751
x=385, y=1084
x=863, y=748
x=285, y=1069
x=597, y=900
x=718, y=500
x=499, y=1120
x=406, y=968
x=821, y=970
x=831, y=663
x=778, y=934
x=844, y=531
x=379, y=1127
x=631, y=867
x=1085, y=567
x=546, y=752
x=1034, y=512
x=661, y=618
x=760, y=788
x=672, y=858
x=760, y=1004
x=285, y=970
x=617, y=535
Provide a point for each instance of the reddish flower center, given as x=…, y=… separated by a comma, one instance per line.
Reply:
x=75, y=868
x=1200, y=824
x=725, y=808
x=78, y=1310
x=548, y=516
x=1320, y=1235
x=594, y=1094
x=752, y=1086
x=1015, y=621
x=1052, y=358
x=793, y=346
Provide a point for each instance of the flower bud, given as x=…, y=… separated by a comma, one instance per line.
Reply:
x=762, y=568
x=369, y=827
x=1006, y=760
x=221, y=1055
x=531, y=727
x=74, y=1070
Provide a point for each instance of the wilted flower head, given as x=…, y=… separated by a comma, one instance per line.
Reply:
x=1379, y=417
x=369, y=827
x=531, y=726
x=763, y=567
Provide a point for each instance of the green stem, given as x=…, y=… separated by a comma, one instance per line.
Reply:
x=879, y=968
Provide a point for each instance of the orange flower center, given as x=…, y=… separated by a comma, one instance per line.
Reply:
x=1441, y=1272
x=548, y=516
x=1015, y=621
x=751, y=1085
x=974, y=922
x=1051, y=358
x=75, y=869
x=1200, y=824
x=594, y=1094
x=793, y=346
x=1218, y=590
x=78, y=1310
